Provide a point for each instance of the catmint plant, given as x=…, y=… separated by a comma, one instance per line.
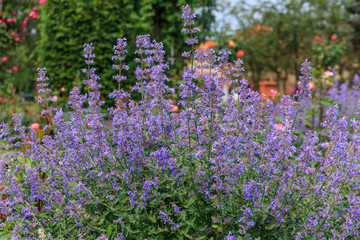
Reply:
x=218, y=169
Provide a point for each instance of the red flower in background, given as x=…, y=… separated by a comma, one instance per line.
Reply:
x=333, y=37
x=317, y=38
x=211, y=44
x=240, y=53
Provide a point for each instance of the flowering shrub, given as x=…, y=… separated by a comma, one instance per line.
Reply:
x=213, y=170
x=16, y=19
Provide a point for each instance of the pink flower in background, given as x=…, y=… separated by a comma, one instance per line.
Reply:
x=35, y=126
x=279, y=126
x=14, y=20
x=12, y=34
x=55, y=98
x=42, y=2
x=1, y=99
x=15, y=68
x=328, y=74
x=311, y=85
x=10, y=71
x=62, y=89
x=273, y=93
x=4, y=60
x=9, y=20
x=174, y=108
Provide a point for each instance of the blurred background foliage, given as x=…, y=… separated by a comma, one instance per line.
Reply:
x=276, y=36
x=272, y=37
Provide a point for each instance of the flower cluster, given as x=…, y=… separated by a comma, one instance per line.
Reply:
x=220, y=168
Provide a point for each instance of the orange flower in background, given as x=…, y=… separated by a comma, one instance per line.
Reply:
x=279, y=126
x=55, y=98
x=240, y=53
x=333, y=37
x=206, y=45
x=231, y=44
x=210, y=44
x=202, y=46
x=317, y=38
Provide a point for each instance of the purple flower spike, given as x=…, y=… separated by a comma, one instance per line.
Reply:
x=189, y=17
x=89, y=55
x=303, y=88
x=119, y=54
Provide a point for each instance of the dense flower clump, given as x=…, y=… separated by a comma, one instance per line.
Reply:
x=215, y=170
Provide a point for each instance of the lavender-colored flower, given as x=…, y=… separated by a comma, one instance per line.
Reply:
x=119, y=54
x=303, y=88
x=189, y=21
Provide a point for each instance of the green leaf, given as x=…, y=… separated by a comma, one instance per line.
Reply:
x=190, y=201
x=269, y=227
x=25, y=147
x=109, y=230
x=40, y=133
x=152, y=218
